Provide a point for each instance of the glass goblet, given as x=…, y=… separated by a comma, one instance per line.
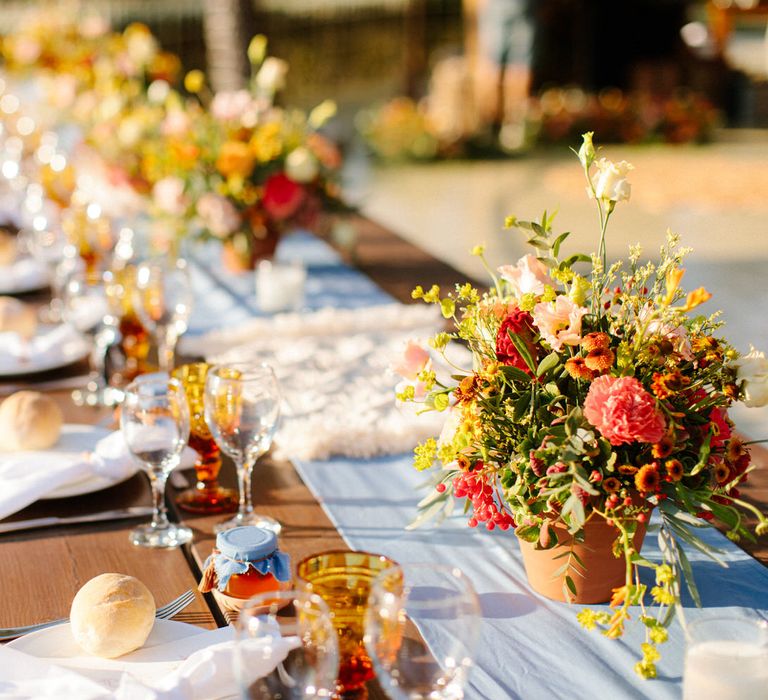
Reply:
x=86, y=306
x=154, y=420
x=421, y=630
x=343, y=580
x=163, y=302
x=286, y=647
x=242, y=409
x=206, y=496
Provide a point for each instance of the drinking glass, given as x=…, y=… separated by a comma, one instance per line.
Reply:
x=90, y=232
x=343, y=580
x=242, y=409
x=206, y=496
x=421, y=629
x=163, y=302
x=286, y=647
x=726, y=658
x=154, y=420
x=86, y=306
x=49, y=246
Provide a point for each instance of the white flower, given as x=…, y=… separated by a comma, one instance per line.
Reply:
x=752, y=371
x=301, y=165
x=271, y=75
x=232, y=105
x=219, y=215
x=529, y=275
x=176, y=123
x=612, y=184
x=168, y=195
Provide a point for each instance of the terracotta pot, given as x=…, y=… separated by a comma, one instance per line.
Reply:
x=243, y=252
x=604, y=572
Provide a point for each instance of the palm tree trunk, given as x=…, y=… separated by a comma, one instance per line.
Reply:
x=228, y=26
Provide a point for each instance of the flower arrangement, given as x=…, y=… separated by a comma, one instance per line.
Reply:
x=594, y=394
x=238, y=167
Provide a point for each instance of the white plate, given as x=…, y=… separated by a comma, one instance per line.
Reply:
x=24, y=275
x=74, y=348
x=58, y=646
x=74, y=440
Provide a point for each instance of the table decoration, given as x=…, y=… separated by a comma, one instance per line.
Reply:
x=239, y=169
x=592, y=397
x=343, y=580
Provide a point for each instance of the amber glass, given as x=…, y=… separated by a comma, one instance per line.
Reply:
x=343, y=580
x=136, y=340
x=91, y=236
x=206, y=496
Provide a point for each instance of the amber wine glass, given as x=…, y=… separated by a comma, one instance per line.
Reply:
x=206, y=496
x=242, y=409
x=343, y=580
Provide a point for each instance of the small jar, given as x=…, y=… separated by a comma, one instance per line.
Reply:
x=245, y=562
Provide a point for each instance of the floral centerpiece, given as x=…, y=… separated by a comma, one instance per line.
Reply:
x=595, y=396
x=241, y=169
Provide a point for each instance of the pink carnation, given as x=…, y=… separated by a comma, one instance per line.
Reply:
x=529, y=275
x=623, y=411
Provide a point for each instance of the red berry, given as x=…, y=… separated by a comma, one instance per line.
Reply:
x=642, y=518
x=440, y=488
x=627, y=501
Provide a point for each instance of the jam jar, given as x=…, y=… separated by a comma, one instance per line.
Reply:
x=245, y=562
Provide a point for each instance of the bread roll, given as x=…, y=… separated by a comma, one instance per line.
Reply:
x=29, y=420
x=17, y=317
x=112, y=615
x=8, y=248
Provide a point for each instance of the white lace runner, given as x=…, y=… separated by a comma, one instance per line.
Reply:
x=334, y=369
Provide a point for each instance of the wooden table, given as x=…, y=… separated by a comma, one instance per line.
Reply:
x=42, y=569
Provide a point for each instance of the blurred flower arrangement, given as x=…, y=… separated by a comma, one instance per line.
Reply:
x=591, y=396
x=237, y=167
x=403, y=129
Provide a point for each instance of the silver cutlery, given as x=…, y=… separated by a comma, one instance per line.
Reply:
x=118, y=514
x=163, y=613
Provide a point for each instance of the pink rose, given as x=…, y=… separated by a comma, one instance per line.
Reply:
x=232, y=105
x=414, y=359
x=176, y=123
x=518, y=323
x=559, y=322
x=219, y=215
x=623, y=411
x=529, y=275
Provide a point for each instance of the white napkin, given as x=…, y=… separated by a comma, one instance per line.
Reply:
x=50, y=342
x=27, y=476
x=203, y=669
x=22, y=275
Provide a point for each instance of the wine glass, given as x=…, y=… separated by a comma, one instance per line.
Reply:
x=421, y=629
x=86, y=306
x=286, y=647
x=242, y=409
x=164, y=303
x=49, y=245
x=154, y=420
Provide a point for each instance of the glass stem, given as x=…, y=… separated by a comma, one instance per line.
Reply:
x=244, y=469
x=166, y=346
x=160, y=513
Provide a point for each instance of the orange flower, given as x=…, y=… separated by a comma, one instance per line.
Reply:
x=599, y=360
x=627, y=469
x=722, y=473
x=595, y=341
x=619, y=596
x=663, y=448
x=647, y=480
x=235, y=158
x=674, y=469
x=695, y=298
x=674, y=275
x=611, y=484
x=578, y=369
x=669, y=383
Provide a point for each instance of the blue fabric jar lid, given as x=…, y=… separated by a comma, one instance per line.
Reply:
x=247, y=543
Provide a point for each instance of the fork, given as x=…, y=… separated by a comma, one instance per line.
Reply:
x=163, y=613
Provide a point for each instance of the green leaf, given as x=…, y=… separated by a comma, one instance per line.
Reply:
x=714, y=553
x=516, y=374
x=579, y=257
x=571, y=585
x=522, y=348
x=690, y=582
x=520, y=407
x=529, y=533
x=548, y=363
x=558, y=241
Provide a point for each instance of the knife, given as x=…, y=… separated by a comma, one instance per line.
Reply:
x=119, y=514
